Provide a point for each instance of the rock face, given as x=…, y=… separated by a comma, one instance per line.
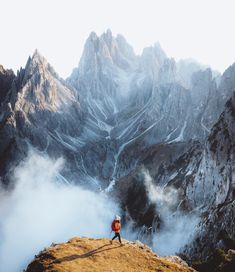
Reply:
x=112, y=102
x=40, y=110
x=139, y=101
x=204, y=176
x=6, y=79
x=214, y=182
x=84, y=254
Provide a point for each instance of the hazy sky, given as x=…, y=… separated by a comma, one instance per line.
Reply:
x=199, y=29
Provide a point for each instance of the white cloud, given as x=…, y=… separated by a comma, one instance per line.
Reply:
x=177, y=228
x=41, y=210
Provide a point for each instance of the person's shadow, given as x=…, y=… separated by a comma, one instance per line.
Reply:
x=85, y=255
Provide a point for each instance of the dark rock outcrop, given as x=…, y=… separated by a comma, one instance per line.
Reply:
x=6, y=79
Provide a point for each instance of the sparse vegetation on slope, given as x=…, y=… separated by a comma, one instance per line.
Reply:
x=86, y=254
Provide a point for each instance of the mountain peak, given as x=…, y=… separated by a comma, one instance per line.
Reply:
x=107, y=36
x=93, y=36
x=155, y=51
x=36, y=52
x=86, y=254
x=37, y=64
x=152, y=59
x=157, y=45
x=105, y=51
x=40, y=87
x=6, y=79
x=37, y=55
x=2, y=70
x=38, y=58
x=5, y=71
x=109, y=32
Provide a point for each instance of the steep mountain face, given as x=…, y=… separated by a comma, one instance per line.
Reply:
x=6, y=79
x=41, y=110
x=105, y=61
x=137, y=100
x=185, y=70
x=214, y=182
x=203, y=175
x=212, y=175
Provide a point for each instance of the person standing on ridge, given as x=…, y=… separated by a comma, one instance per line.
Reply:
x=116, y=227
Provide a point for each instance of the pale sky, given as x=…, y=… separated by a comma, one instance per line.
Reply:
x=199, y=29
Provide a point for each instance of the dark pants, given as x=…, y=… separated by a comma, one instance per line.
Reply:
x=117, y=234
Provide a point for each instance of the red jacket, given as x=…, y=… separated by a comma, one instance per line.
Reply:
x=116, y=226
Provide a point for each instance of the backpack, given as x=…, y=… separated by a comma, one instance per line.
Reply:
x=115, y=225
